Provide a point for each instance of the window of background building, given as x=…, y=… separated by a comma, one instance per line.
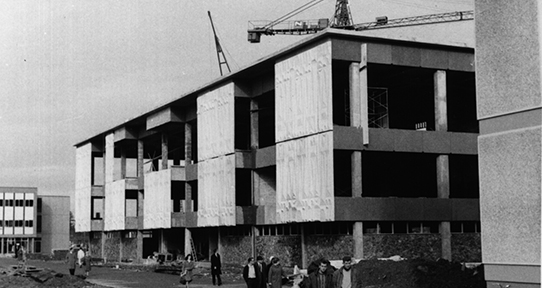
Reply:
x=29, y=203
x=19, y=203
x=29, y=223
x=37, y=245
x=39, y=205
x=38, y=225
x=9, y=202
x=1, y=202
x=18, y=223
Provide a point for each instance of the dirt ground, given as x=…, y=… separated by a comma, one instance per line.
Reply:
x=374, y=274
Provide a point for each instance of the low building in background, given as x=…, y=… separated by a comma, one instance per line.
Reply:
x=39, y=223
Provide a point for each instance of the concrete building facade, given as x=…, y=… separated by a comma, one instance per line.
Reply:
x=39, y=223
x=338, y=145
x=508, y=55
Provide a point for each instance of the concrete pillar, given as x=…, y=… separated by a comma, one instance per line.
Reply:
x=187, y=241
x=304, y=261
x=443, y=167
x=254, y=117
x=165, y=151
x=122, y=163
x=141, y=182
x=102, y=240
x=357, y=234
x=188, y=196
x=188, y=143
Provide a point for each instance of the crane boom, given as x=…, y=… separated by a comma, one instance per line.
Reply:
x=219, y=52
x=383, y=22
x=302, y=27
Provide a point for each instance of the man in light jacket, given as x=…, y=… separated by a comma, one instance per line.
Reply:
x=345, y=277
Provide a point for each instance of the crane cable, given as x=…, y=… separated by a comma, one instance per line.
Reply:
x=293, y=13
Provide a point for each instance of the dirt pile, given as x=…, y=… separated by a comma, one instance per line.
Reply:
x=44, y=278
x=417, y=274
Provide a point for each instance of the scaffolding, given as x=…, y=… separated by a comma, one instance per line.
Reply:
x=378, y=107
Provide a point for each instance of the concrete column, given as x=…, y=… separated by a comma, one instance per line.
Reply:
x=443, y=167
x=188, y=143
x=358, y=240
x=141, y=183
x=187, y=239
x=304, y=261
x=356, y=121
x=102, y=240
x=254, y=117
x=122, y=163
x=165, y=151
x=188, y=197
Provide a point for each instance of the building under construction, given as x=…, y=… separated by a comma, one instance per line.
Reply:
x=338, y=145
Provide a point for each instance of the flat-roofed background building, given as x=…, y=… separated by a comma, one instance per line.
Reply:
x=40, y=223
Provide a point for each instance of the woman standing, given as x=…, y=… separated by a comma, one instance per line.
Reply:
x=86, y=263
x=275, y=274
x=188, y=266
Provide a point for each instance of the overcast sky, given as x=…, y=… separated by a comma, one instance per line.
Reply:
x=71, y=69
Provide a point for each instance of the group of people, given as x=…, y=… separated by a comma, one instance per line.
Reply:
x=258, y=274
x=78, y=256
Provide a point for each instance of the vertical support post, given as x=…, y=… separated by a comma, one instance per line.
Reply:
x=304, y=261
x=254, y=118
x=188, y=160
x=187, y=241
x=122, y=162
x=253, y=241
x=355, y=121
x=364, y=94
x=141, y=185
x=164, y=151
x=357, y=233
x=187, y=143
x=443, y=167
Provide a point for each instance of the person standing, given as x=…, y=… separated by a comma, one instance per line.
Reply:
x=21, y=257
x=71, y=260
x=345, y=277
x=263, y=272
x=276, y=273
x=216, y=267
x=80, y=256
x=321, y=278
x=251, y=273
x=188, y=266
x=86, y=263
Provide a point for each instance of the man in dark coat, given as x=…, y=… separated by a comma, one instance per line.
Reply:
x=251, y=273
x=321, y=278
x=263, y=271
x=216, y=266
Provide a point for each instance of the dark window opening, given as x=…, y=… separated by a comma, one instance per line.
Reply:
x=266, y=119
x=28, y=203
x=194, y=192
x=39, y=205
x=242, y=123
x=341, y=92
x=178, y=196
x=243, y=187
x=19, y=203
x=37, y=246
x=97, y=208
x=131, y=203
x=409, y=96
x=396, y=174
x=464, y=180
x=38, y=224
x=461, y=100
x=194, y=141
x=342, y=173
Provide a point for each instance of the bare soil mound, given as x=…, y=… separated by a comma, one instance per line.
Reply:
x=417, y=274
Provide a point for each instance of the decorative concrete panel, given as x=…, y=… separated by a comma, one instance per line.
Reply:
x=83, y=187
x=305, y=179
x=303, y=93
x=115, y=205
x=510, y=185
x=157, y=206
x=216, y=191
x=507, y=56
x=216, y=113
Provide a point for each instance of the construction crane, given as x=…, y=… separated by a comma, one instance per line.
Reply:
x=342, y=19
x=219, y=52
